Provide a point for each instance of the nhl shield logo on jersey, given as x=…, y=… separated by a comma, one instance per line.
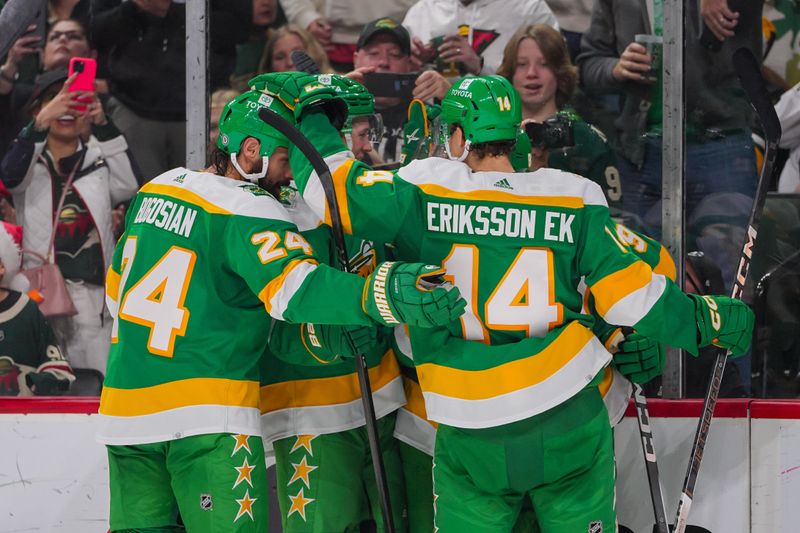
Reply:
x=206, y=503
x=595, y=526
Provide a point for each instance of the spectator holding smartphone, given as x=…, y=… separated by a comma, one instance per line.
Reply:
x=66, y=38
x=384, y=46
x=58, y=140
x=277, y=55
x=719, y=149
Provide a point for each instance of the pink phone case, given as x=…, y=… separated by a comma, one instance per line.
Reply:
x=86, y=68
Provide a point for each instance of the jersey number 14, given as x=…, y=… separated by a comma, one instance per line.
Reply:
x=523, y=300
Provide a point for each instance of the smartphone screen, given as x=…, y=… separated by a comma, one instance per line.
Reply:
x=390, y=84
x=86, y=67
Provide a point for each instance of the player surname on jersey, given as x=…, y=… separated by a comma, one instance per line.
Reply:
x=166, y=215
x=499, y=221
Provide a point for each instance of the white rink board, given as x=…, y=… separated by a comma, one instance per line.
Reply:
x=722, y=494
x=776, y=482
x=53, y=475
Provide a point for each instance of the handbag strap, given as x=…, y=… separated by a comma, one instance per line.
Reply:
x=50, y=251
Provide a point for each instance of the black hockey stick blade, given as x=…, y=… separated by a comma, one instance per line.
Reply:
x=749, y=72
x=303, y=63
x=297, y=138
x=648, y=450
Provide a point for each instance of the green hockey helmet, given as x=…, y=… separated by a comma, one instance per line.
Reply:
x=360, y=105
x=487, y=108
x=360, y=102
x=239, y=120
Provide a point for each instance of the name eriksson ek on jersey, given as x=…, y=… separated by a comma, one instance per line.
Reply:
x=499, y=221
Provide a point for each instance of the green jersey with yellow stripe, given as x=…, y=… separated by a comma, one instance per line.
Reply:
x=203, y=264
x=517, y=246
x=304, y=390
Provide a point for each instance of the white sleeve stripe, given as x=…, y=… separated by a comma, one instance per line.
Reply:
x=403, y=341
x=112, y=305
x=634, y=306
x=294, y=280
x=314, y=194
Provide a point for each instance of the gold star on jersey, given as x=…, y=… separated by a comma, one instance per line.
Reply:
x=303, y=441
x=244, y=473
x=245, y=506
x=241, y=442
x=299, y=503
x=301, y=471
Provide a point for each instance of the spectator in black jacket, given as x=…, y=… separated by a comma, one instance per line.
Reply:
x=144, y=46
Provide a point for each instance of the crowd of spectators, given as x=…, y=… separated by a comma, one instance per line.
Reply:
x=576, y=61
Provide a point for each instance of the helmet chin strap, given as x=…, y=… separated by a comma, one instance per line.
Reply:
x=251, y=177
x=463, y=156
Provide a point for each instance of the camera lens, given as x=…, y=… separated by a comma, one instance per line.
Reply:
x=78, y=66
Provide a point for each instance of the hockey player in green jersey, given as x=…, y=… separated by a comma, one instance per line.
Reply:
x=312, y=414
x=514, y=422
x=636, y=358
x=313, y=417
x=206, y=259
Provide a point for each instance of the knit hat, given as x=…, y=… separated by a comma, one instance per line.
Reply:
x=10, y=256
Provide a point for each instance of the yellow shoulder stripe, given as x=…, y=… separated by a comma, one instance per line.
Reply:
x=665, y=266
x=272, y=288
x=574, y=202
x=185, y=195
x=340, y=186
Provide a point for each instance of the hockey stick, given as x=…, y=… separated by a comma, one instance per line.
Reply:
x=649, y=451
x=321, y=168
x=749, y=73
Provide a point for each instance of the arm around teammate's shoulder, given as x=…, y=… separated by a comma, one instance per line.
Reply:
x=373, y=204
